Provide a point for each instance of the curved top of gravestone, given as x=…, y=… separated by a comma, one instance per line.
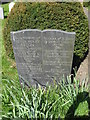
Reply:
x=43, y=31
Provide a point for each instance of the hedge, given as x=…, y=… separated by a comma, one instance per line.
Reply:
x=67, y=16
x=86, y=4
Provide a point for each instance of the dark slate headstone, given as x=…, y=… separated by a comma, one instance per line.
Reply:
x=43, y=56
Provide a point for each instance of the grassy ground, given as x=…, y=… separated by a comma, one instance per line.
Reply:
x=89, y=7
x=8, y=65
x=9, y=70
x=6, y=9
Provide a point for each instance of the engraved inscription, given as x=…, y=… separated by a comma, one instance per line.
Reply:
x=42, y=56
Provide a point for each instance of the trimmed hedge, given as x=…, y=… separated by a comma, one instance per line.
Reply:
x=86, y=4
x=59, y=15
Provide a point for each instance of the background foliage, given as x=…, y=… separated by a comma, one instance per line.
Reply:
x=64, y=16
x=86, y=4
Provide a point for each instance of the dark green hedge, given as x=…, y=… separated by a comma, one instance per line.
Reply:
x=64, y=16
x=86, y=4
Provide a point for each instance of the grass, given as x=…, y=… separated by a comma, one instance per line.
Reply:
x=9, y=70
x=6, y=9
x=88, y=7
x=25, y=103
x=8, y=65
x=62, y=100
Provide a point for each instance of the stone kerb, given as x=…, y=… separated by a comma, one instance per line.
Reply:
x=43, y=56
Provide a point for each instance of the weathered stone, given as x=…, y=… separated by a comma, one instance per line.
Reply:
x=43, y=56
x=1, y=13
x=11, y=5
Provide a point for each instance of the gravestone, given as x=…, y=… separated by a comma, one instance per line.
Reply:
x=43, y=56
x=11, y=6
x=1, y=13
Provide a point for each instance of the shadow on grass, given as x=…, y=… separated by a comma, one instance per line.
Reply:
x=81, y=97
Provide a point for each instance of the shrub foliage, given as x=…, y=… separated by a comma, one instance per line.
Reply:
x=59, y=15
x=86, y=4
